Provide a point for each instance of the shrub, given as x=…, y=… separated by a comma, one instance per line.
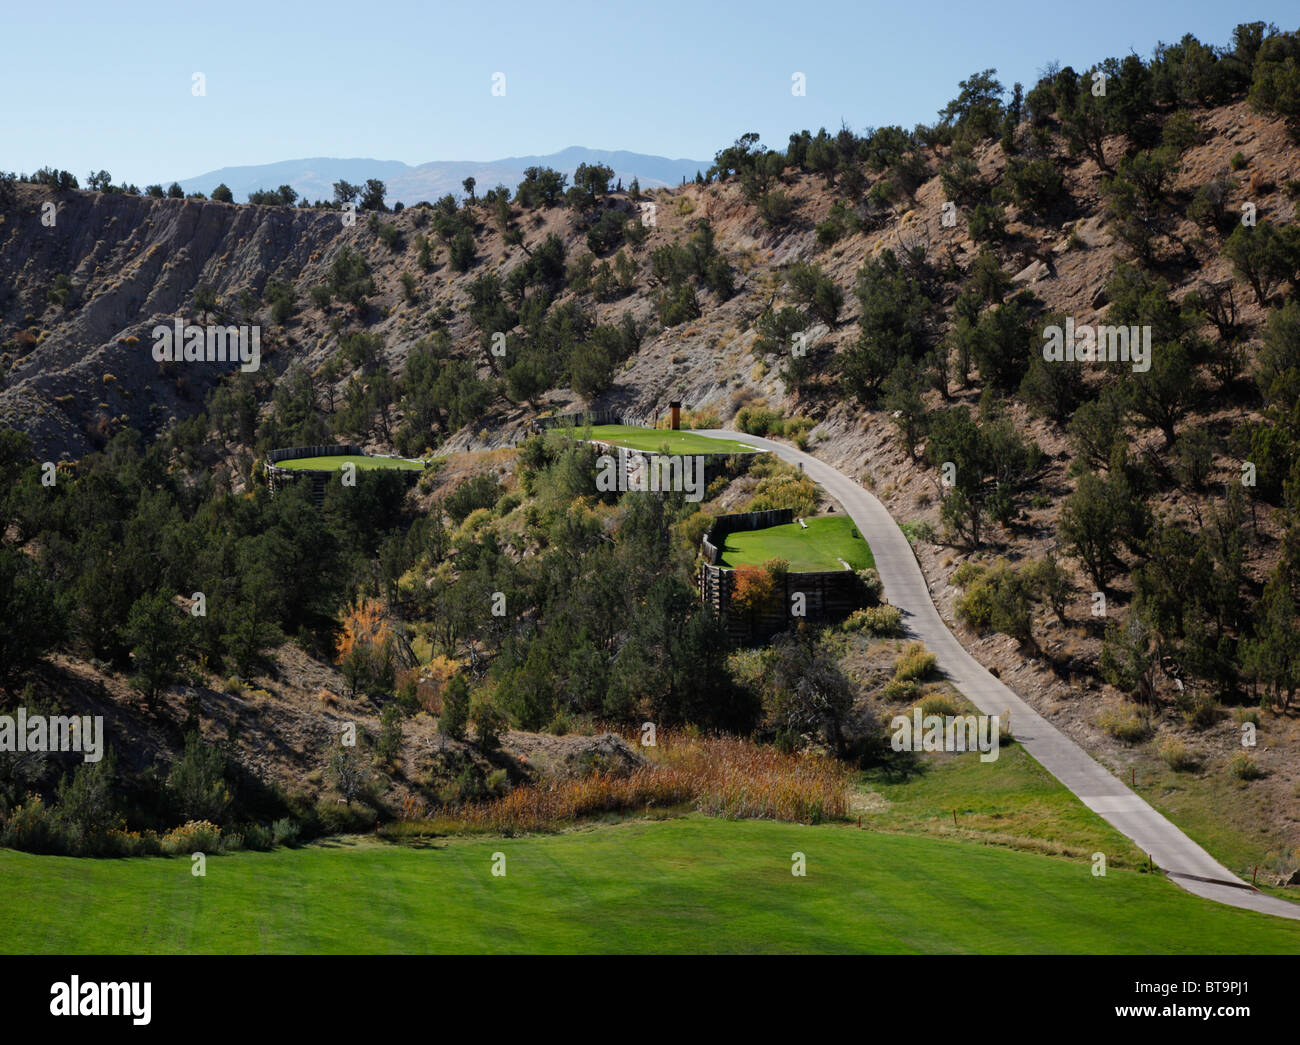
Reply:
x=904, y=691
x=816, y=291
x=1199, y=709
x=915, y=662
x=1244, y=767
x=606, y=234
x=918, y=530
x=31, y=827
x=940, y=704
x=757, y=420
x=722, y=777
x=829, y=231
x=479, y=491
x=997, y=599
x=1125, y=723
x=1037, y=184
x=1209, y=205
x=1180, y=131
x=962, y=181
x=881, y=621
x=196, y=783
x=1238, y=160
x=883, y=194
x=389, y=744
x=489, y=722
x=783, y=487
x=678, y=305
x=285, y=831
x=121, y=843
x=777, y=208
x=455, y=708
x=347, y=773
x=337, y=818
x=1176, y=755
x=194, y=836
x=462, y=252
x=987, y=223
x=872, y=586
x=797, y=429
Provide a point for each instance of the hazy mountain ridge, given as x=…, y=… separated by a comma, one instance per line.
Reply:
x=314, y=178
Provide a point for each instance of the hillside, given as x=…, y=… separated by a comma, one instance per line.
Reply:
x=447, y=328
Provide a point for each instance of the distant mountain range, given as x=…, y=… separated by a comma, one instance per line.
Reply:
x=315, y=178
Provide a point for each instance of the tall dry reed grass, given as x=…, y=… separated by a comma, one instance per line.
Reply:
x=719, y=776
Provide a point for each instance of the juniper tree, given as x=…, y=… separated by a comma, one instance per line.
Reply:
x=196, y=782
x=1271, y=656
x=154, y=629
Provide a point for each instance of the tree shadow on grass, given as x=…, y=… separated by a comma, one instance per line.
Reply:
x=894, y=767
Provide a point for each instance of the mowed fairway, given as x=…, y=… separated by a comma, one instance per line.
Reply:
x=679, y=442
x=687, y=885
x=819, y=548
x=330, y=464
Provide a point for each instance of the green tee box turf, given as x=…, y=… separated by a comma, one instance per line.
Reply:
x=333, y=464
x=654, y=439
x=816, y=549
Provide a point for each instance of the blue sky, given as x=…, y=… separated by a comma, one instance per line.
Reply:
x=110, y=86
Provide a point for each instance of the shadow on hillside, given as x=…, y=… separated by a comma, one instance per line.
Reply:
x=895, y=767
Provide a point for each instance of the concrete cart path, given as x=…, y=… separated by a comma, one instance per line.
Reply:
x=1178, y=856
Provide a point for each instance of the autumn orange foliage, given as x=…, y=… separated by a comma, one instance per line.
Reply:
x=753, y=588
x=364, y=624
x=428, y=682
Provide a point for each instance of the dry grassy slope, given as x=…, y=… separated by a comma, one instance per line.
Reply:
x=861, y=444
x=283, y=729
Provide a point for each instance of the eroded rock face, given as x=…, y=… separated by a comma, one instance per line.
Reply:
x=134, y=263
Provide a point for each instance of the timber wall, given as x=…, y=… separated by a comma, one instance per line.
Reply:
x=277, y=477
x=826, y=595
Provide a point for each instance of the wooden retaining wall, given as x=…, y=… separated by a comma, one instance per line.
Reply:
x=329, y=450
x=825, y=595
x=277, y=477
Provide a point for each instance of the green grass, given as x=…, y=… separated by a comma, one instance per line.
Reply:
x=819, y=548
x=1236, y=820
x=687, y=885
x=1012, y=801
x=333, y=463
x=680, y=442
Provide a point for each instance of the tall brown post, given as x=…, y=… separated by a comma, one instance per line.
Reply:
x=675, y=414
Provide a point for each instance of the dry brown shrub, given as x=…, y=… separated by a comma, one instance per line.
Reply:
x=719, y=776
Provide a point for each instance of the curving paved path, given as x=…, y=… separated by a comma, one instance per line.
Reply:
x=1178, y=856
